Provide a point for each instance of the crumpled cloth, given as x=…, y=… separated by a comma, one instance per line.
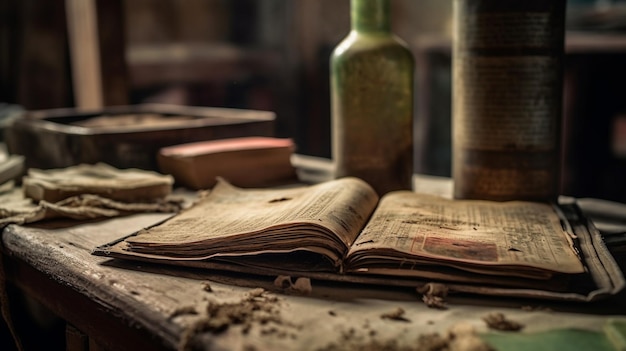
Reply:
x=16, y=209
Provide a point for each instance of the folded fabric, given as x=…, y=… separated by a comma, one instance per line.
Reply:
x=17, y=209
x=127, y=185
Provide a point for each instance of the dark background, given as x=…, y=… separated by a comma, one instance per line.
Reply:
x=273, y=55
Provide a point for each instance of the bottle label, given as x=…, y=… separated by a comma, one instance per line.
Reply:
x=507, y=30
x=507, y=102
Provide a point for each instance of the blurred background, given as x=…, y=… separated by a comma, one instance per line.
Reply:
x=273, y=55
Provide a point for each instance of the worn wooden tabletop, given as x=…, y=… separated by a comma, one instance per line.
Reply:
x=125, y=305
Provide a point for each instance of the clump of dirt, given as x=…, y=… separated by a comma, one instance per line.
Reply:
x=498, y=321
x=255, y=308
x=434, y=295
x=301, y=285
x=207, y=287
x=395, y=315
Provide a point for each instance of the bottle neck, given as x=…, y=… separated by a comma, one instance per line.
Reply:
x=371, y=16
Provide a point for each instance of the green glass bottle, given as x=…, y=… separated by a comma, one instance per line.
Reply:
x=372, y=73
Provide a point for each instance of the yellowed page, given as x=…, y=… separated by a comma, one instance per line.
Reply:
x=232, y=220
x=471, y=233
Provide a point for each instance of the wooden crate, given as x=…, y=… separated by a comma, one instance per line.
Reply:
x=125, y=136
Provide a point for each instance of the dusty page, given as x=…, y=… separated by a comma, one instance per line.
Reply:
x=324, y=218
x=508, y=238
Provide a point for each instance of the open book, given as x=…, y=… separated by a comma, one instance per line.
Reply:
x=340, y=229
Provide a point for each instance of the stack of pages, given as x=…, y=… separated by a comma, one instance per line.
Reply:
x=341, y=230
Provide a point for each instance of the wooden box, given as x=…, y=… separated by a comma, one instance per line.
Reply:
x=125, y=136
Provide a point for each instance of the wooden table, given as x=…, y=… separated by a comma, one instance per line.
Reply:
x=115, y=305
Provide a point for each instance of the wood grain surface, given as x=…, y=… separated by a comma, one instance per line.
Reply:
x=125, y=305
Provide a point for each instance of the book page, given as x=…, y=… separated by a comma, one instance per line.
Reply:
x=468, y=233
x=231, y=221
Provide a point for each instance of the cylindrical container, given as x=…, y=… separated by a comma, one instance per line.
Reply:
x=372, y=94
x=507, y=98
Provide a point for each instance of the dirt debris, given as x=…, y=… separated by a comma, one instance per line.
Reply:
x=457, y=338
x=301, y=285
x=256, y=308
x=395, y=315
x=207, y=287
x=498, y=321
x=434, y=302
x=283, y=282
x=434, y=295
